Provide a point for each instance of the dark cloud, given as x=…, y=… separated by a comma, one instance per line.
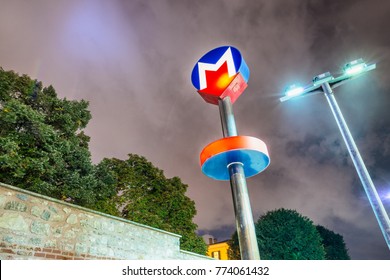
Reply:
x=132, y=60
x=361, y=243
x=320, y=149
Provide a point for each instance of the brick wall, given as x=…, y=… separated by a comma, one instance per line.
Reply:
x=38, y=227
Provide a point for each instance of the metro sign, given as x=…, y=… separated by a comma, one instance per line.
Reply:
x=220, y=73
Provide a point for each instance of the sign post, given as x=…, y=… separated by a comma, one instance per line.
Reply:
x=220, y=77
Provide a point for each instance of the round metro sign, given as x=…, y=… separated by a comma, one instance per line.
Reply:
x=219, y=73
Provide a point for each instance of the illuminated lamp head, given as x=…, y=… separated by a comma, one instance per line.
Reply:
x=294, y=90
x=354, y=67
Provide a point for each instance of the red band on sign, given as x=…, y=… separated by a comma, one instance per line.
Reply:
x=232, y=143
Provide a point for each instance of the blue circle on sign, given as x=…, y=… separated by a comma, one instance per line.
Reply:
x=253, y=161
x=214, y=59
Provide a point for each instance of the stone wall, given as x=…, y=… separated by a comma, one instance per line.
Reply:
x=38, y=227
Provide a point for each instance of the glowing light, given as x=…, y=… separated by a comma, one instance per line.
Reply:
x=224, y=81
x=294, y=91
x=355, y=70
x=354, y=67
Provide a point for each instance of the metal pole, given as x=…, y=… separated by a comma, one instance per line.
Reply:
x=227, y=117
x=244, y=220
x=368, y=185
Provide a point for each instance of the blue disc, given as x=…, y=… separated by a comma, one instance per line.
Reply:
x=254, y=162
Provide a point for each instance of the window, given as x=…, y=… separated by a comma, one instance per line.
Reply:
x=216, y=255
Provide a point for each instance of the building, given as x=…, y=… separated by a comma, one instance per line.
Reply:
x=218, y=250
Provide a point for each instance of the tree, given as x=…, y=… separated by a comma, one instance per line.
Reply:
x=234, y=247
x=43, y=149
x=334, y=245
x=146, y=196
x=42, y=146
x=285, y=235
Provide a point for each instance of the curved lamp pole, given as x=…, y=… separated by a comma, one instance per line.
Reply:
x=324, y=83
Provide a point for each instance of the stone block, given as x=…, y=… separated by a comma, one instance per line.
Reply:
x=120, y=228
x=36, y=201
x=98, y=251
x=13, y=221
x=57, y=218
x=15, y=206
x=114, y=241
x=50, y=243
x=72, y=219
x=102, y=240
x=70, y=234
x=66, y=246
x=67, y=210
x=45, y=215
x=110, y=252
x=85, y=238
x=81, y=248
x=35, y=241
x=57, y=232
x=75, y=229
x=53, y=209
x=24, y=253
x=40, y=228
x=95, y=224
x=108, y=226
x=23, y=197
x=21, y=239
x=8, y=239
x=36, y=211
x=2, y=201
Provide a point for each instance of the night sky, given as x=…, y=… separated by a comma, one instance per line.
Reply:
x=132, y=59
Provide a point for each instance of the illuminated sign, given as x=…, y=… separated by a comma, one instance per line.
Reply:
x=219, y=73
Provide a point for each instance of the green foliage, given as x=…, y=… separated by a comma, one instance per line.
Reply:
x=234, y=247
x=42, y=146
x=146, y=196
x=43, y=149
x=284, y=235
x=335, y=248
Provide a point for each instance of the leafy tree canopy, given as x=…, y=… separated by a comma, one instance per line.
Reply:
x=335, y=248
x=284, y=235
x=42, y=145
x=146, y=196
x=43, y=149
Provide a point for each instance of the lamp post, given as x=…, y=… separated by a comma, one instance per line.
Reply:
x=325, y=83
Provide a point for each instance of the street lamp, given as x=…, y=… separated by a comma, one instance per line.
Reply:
x=325, y=83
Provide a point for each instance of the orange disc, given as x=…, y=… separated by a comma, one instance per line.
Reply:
x=249, y=151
